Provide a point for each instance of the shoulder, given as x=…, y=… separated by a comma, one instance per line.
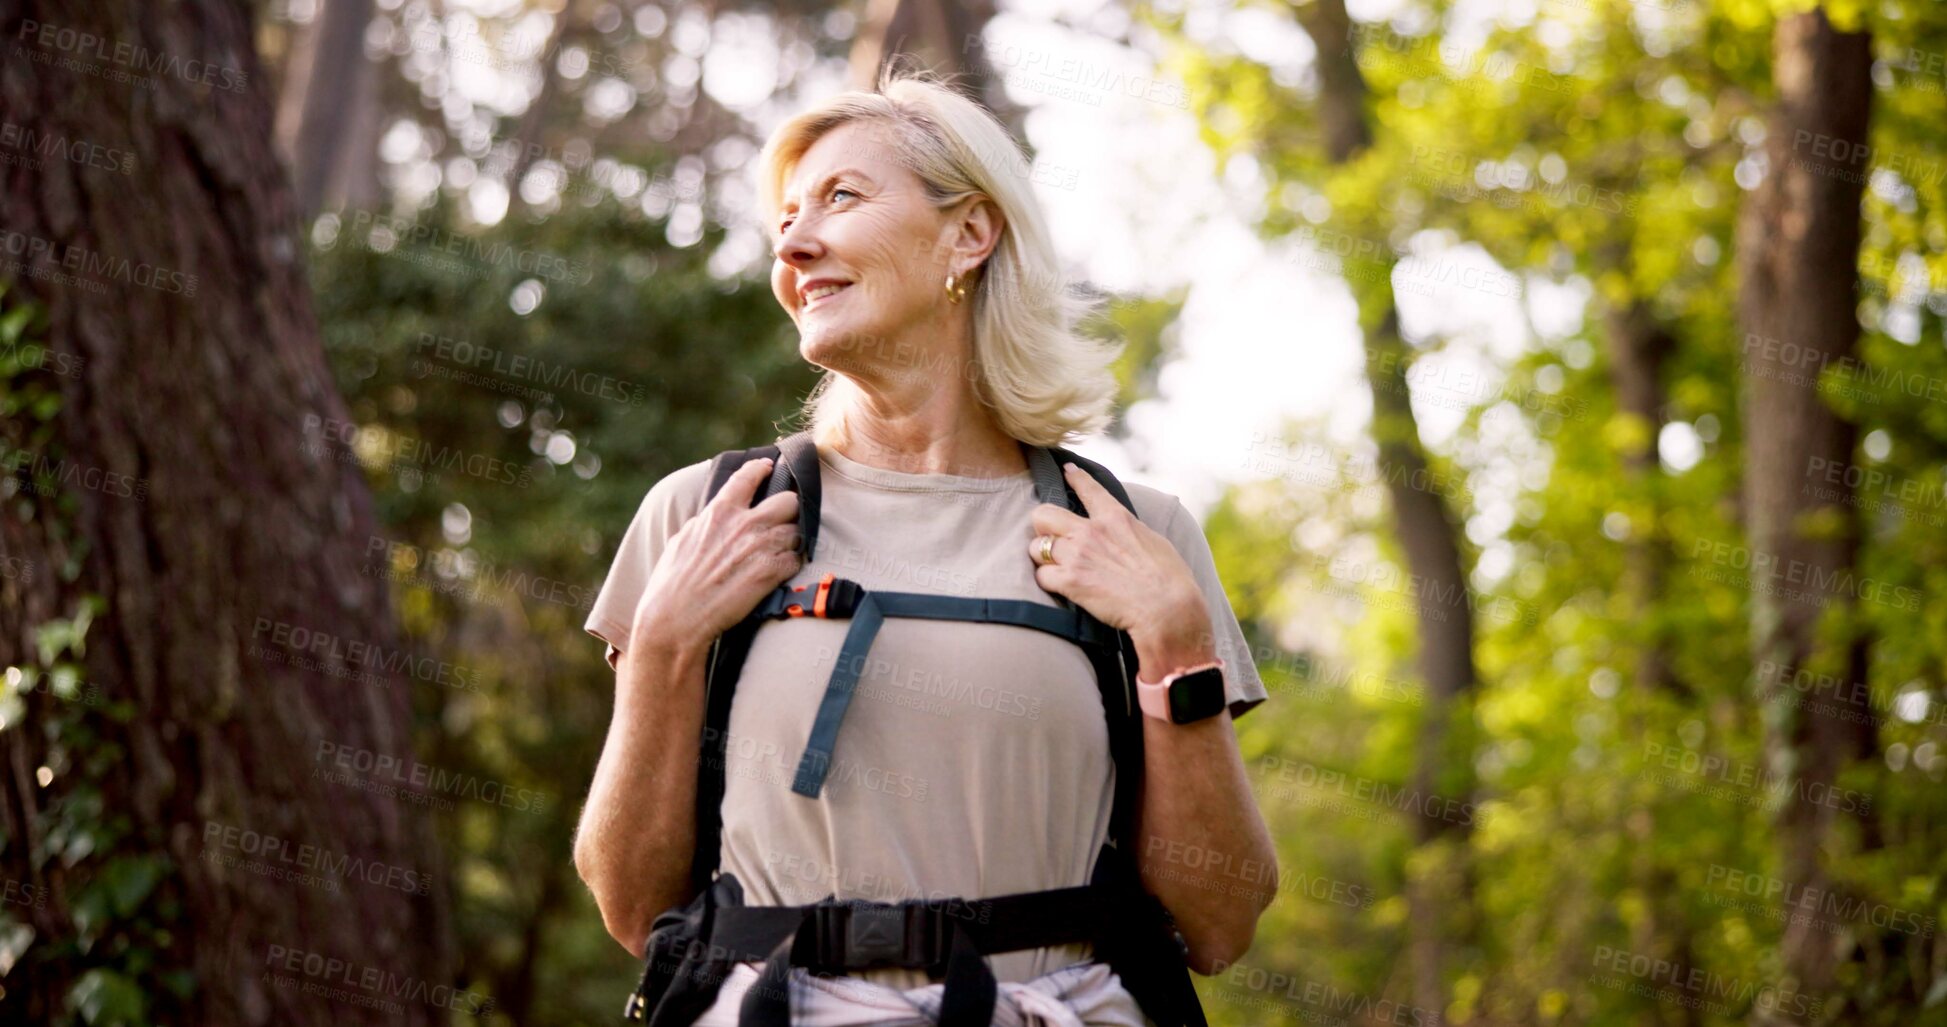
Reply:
x=1160, y=510
x=678, y=495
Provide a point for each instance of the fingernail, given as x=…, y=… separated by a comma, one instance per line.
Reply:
x=1067, y=467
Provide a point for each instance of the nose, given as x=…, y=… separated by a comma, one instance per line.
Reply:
x=797, y=245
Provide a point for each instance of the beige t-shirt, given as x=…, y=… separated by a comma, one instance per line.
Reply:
x=973, y=761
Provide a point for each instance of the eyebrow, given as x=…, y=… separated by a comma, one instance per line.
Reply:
x=828, y=180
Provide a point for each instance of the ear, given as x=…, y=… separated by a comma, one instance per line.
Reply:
x=975, y=225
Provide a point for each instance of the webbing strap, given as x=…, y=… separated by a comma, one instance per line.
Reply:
x=1071, y=624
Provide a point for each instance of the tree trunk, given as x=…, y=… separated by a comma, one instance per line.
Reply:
x=180, y=484
x=1798, y=236
x=1437, y=894
x=331, y=90
x=945, y=37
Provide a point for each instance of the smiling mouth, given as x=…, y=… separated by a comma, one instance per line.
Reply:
x=823, y=293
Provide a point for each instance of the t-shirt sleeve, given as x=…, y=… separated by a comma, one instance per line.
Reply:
x=668, y=506
x=1242, y=685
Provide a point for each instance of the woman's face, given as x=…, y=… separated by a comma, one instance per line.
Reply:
x=854, y=218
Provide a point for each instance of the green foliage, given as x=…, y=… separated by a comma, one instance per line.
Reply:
x=1597, y=146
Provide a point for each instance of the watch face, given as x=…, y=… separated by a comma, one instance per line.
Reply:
x=1196, y=696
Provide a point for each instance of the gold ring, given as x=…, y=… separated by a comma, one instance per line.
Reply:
x=1047, y=549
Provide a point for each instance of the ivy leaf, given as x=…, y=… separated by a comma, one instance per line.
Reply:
x=107, y=998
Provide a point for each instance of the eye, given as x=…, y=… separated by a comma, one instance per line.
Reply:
x=842, y=190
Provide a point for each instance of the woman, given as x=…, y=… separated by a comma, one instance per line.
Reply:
x=913, y=259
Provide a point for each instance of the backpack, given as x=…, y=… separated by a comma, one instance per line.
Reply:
x=692, y=949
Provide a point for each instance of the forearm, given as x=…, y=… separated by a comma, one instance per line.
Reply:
x=1205, y=851
x=634, y=845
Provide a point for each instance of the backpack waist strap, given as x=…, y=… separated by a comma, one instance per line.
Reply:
x=839, y=936
x=945, y=938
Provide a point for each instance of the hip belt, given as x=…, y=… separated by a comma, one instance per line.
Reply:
x=945, y=938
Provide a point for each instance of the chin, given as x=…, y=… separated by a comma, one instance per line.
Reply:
x=834, y=346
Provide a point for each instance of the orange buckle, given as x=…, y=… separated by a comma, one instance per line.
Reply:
x=818, y=604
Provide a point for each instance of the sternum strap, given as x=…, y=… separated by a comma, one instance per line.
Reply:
x=1070, y=623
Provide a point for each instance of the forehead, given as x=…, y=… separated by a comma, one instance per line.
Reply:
x=865, y=145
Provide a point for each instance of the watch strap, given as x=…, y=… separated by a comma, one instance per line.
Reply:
x=1155, y=698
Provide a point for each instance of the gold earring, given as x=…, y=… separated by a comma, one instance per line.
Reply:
x=955, y=291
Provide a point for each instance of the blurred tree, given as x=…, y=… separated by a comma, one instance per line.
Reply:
x=1336, y=160
x=1799, y=240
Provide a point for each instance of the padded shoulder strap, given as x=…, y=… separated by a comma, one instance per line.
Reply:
x=1051, y=487
x=796, y=470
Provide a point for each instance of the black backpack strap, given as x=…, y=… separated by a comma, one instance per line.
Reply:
x=1139, y=943
x=796, y=469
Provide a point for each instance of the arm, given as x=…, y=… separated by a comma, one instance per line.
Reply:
x=1205, y=851
x=1202, y=846
x=638, y=830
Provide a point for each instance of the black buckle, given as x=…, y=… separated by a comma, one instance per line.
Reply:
x=865, y=935
x=843, y=597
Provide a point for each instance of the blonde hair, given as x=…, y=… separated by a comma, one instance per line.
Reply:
x=1043, y=382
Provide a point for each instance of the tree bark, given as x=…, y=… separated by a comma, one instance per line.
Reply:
x=1798, y=236
x=1428, y=533
x=178, y=485
x=1638, y=348
x=945, y=37
x=321, y=122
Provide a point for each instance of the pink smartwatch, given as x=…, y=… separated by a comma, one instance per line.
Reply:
x=1185, y=696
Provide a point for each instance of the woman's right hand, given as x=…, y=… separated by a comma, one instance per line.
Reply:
x=721, y=562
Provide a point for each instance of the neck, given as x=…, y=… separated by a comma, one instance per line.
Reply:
x=936, y=429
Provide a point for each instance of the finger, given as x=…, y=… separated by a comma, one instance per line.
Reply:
x=1052, y=577
x=782, y=538
x=742, y=485
x=1034, y=548
x=1049, y=519
x=779, y=509
x=1095, y=499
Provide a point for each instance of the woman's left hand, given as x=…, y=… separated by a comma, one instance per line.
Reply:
x=1118, y=568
